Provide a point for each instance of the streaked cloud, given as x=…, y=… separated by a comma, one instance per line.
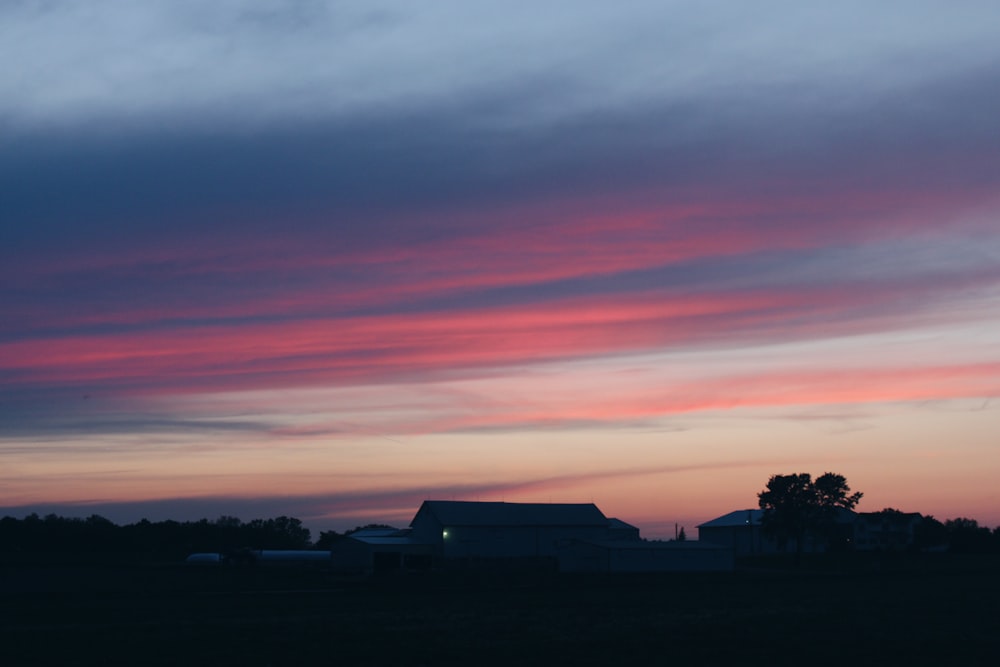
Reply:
x=309, y=234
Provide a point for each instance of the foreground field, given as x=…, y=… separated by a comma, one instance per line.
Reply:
x=916, y=611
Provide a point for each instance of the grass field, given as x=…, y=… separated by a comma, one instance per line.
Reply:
x=913, y=610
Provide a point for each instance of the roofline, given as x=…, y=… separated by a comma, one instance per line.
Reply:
x=428, y=505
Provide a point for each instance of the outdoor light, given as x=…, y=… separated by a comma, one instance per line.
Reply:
x=444, y=533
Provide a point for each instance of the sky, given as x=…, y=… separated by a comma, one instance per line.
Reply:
x=331, y=259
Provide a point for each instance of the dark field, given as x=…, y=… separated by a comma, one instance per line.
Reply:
x=927, y=610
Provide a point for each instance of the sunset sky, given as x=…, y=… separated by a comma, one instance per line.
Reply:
x=330, y=259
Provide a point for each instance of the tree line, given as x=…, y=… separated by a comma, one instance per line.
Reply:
x=796, y=506
x=162, y=539
x=96, y=534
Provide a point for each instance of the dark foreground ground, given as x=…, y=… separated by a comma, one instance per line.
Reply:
x=927, y=610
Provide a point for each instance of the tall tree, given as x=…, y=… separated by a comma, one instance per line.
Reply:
x=795, y=506
x=967, y=536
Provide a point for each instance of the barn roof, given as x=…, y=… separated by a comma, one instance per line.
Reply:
x=377, y=532
x=753, y=518
x=618, y=524
x=466, y=513
x=736, y=518
x=383, y=540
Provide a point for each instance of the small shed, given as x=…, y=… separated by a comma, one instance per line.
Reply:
x=381, y=550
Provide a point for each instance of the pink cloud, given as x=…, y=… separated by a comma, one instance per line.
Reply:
x=309, y=272
x=377, y=348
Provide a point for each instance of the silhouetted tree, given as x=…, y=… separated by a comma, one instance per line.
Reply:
x=795, y=506
x=280, y=533
x=327, y=538
x=227, y=533
x=99, y=534
x=165, y=539
x=967, y=536
x=368, y=526
x=929, y=533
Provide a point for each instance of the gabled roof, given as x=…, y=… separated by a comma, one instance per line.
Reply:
x=377, y=532
x=737, y=518
x=382, y=536
x=464, y=513
x=618, y=524
x=753, y=517
x=383, y=540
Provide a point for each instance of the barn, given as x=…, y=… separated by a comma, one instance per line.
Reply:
x=742, y=531
x=739, y=530
x=499, y=530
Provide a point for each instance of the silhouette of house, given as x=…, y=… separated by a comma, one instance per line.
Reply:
x=742, y=530
x=619, y=530
x=381, y=550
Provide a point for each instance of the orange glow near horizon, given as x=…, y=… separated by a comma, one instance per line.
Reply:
x=654, y=440
x=649, y=476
